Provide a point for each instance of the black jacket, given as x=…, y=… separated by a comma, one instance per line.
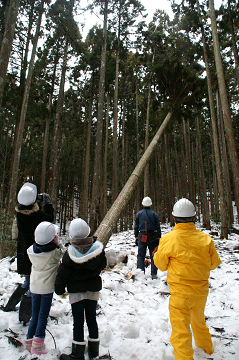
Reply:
x=81, y=272
x=28, y=217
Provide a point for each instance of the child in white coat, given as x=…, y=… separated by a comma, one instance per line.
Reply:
x=44, y=255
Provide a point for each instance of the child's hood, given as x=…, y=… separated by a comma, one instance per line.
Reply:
x=79, y=258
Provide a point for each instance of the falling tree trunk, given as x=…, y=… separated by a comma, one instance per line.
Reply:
x=6, y=43
x=232, y=149
x=56, y=139
x=224, y=218
x=19, y=134
x=95, y=198
x=205, y=207
x=104, y=231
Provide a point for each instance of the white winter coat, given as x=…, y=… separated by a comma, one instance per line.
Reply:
x=44, y=269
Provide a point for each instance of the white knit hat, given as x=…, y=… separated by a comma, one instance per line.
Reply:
x=27, y=194
x=45, y=232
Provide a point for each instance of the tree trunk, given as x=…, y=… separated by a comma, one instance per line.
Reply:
x=106, y=155
x=115, y=124
x=234, y=44
x=202, y=178
x=6, y=43
x=83, y=208
x=95, y=199
x=104, y=231
x=19, y=134
x=47, y=127
x=224, y=219
x=232, y=149
x=56, y=139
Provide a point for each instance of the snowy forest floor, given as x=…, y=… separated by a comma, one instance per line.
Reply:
x=132, y=313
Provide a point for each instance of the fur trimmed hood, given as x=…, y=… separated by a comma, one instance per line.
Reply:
x=27, y=210
x=92, y=253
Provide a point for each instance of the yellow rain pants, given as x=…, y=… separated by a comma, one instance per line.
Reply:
x=183, y=312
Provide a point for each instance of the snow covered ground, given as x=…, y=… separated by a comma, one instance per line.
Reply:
x=133, y=314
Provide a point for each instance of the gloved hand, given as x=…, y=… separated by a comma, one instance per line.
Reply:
x=46, y=198
x=155, y=250
x=136, y=241
x=63, y=296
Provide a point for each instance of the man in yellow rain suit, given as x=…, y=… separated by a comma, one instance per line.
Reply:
x=188, y=255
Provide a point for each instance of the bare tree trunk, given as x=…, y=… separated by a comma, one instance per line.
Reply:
x=225, y=165
x=232, y=149
x=56, y=139
x=169, y=200
x=19, y=134
x=234, y=44
x=224, y=218
x=137, y=200
x=106, y=155
x=6, y=43
x=202, y=177
x=104, y=231
x=46, y=135
x=95, y=198
x=115, y=124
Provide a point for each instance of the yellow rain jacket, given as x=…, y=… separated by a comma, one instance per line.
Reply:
x=188, y=255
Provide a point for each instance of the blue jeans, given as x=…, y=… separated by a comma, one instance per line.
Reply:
x=79, y=309
x=41, y=305
x=142, y=248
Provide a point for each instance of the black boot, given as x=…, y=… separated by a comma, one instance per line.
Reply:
x=78, y=352
x=93, y=348
x=15, y=298
x=25, y=310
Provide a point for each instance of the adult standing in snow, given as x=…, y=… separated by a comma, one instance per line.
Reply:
x=44, y=255
x=188, y=255
x=147, y=233
x=80, y=274
x=30, y=210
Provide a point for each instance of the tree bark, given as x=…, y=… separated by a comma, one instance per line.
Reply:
x=224, y=218
x=225, y=105
x=95, y=199
x=19, y=134
x=56, y=139
x=6, y=43
x=104, y=231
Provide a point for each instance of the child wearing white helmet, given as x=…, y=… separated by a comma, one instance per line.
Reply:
x=79, y=272
x=44, y=255
x=188, y=255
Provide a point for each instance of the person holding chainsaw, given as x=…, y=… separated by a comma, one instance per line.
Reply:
x=147, y=233
x=188, y=255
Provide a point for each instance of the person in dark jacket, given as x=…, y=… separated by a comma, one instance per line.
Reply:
x=79, y=272
x=147, y=233
x=30, y=211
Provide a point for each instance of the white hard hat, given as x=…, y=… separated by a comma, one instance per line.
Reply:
x=27, y=194
x=183, y=208
x=79, y=229
x=147, y=201
x=45, y=233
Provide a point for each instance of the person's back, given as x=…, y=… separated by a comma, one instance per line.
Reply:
x=192, y=256
x=188, y=254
